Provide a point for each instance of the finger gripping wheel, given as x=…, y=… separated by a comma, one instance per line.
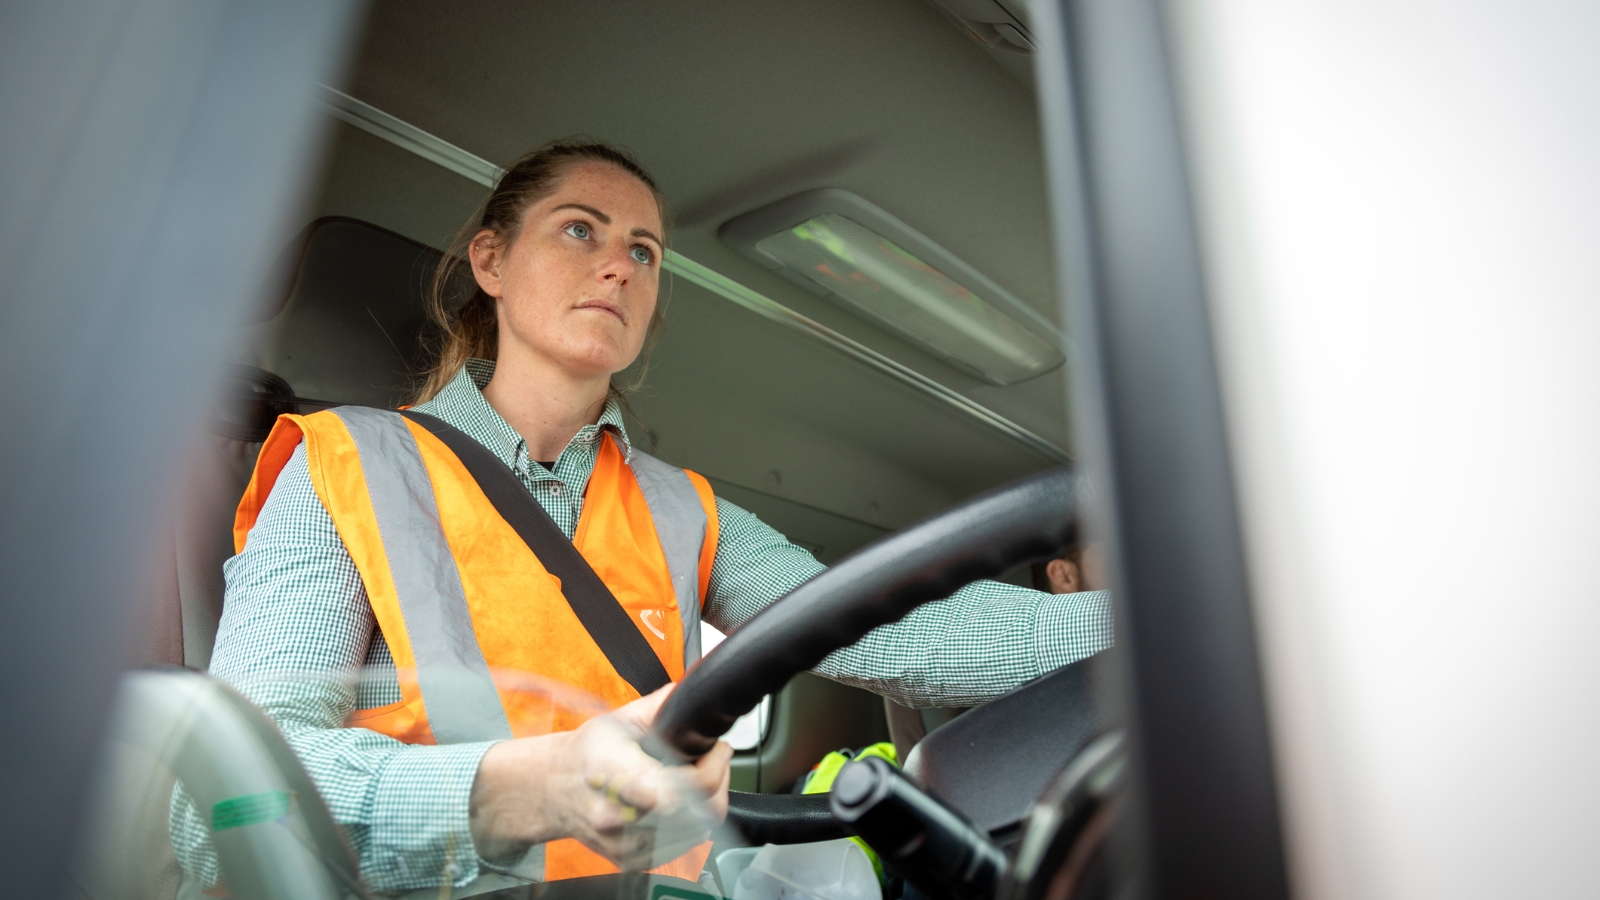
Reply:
x=981, y=538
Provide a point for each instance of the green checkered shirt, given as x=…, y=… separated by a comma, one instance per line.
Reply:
x=299, y=639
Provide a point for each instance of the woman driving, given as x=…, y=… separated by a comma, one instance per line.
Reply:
x=365, y=547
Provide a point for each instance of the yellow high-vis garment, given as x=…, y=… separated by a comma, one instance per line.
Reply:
x=479, y=630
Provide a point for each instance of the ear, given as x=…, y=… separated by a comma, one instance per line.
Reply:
x=1063, y=577
x=486, y=255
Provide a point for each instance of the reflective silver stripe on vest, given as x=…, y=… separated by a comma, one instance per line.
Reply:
x=457, y=689
x=681, y=524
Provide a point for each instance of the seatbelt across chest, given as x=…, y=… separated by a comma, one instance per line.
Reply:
x=606, y=621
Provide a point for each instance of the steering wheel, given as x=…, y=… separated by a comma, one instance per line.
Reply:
x=879, y=584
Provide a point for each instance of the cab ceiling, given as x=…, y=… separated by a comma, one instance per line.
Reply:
x=733, y=104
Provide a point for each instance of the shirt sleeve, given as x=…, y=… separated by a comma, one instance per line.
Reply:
x=296, y=627
x=982, y=641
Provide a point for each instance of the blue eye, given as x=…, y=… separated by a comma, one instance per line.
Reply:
x=578, y=230
x=642, y=255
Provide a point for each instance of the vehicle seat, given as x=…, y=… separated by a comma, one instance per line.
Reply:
x=347, y=329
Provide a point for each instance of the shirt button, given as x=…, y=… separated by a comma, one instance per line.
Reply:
x=555, y=489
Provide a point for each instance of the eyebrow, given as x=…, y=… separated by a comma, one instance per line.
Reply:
x=645, y=232
x=606, y=220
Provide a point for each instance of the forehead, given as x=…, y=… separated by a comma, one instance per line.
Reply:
x=608, y=188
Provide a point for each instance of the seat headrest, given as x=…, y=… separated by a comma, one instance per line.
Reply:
x=351, y=328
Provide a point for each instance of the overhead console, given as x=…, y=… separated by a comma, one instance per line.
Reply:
x=1000, y=24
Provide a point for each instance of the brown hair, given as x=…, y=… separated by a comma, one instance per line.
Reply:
x=474, y=328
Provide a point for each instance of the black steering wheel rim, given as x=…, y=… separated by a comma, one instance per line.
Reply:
x=985, y=536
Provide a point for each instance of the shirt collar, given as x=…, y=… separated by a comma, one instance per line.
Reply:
x=461, y=403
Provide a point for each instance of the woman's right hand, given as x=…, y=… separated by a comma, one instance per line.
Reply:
x=588, y=784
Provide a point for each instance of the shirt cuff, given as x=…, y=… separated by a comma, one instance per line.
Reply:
x=1071, y=627
x=421, y=832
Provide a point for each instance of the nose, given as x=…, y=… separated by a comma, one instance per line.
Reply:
x=616, y=267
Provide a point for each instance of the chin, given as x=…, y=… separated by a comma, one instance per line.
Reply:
x=594, y=365
x=597, y=355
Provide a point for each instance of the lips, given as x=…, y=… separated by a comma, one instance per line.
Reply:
x=605, y=306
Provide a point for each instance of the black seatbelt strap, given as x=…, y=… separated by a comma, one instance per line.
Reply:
x=596, y=607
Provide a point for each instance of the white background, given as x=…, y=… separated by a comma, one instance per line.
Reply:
x=1400, y=206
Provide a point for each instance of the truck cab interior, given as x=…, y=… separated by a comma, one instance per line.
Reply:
x=836, y=421
x=831, y=426
x=949, y=284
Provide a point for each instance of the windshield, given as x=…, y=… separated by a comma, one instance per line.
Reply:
x=798, y=426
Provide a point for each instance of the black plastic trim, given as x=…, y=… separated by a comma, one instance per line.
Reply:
x=783, y=818
x=1150, y=432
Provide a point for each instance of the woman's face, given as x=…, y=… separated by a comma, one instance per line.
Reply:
x=577, y=288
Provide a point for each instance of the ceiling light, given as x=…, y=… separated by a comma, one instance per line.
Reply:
x=836, y=244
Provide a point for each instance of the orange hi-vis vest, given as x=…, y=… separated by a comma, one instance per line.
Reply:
x=483, y=639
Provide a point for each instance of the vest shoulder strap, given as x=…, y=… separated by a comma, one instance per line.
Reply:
x=457, y=687
x=682, y=525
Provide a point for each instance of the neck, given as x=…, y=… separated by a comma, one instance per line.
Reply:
x=544, y=404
